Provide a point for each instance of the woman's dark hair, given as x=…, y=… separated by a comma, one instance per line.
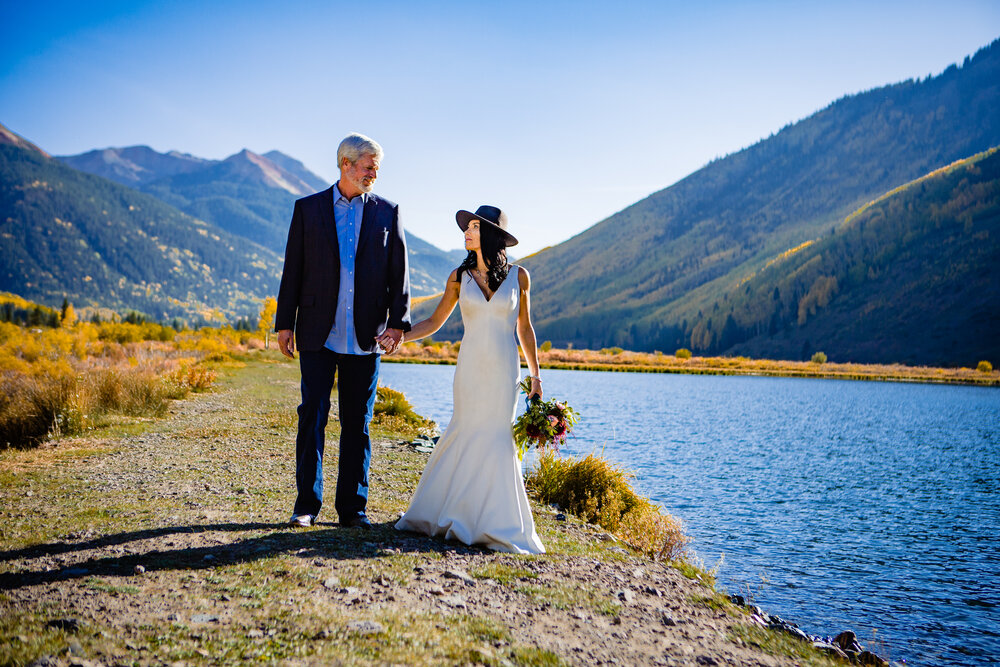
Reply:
x=491, y=244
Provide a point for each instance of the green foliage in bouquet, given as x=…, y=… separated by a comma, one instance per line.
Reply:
x=544, y=423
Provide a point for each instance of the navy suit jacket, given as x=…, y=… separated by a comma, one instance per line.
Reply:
x=310, y=280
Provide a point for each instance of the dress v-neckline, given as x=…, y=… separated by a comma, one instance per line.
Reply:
x=480, y=287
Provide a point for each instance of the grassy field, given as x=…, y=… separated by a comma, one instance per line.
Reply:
x=161, y=540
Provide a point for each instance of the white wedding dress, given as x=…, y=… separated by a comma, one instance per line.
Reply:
x=471, y=489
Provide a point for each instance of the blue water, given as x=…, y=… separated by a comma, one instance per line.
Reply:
x=836, y=505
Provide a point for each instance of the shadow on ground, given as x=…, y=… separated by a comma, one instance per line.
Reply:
x=321, y=541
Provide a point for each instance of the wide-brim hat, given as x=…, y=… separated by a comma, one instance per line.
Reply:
x=489, y=215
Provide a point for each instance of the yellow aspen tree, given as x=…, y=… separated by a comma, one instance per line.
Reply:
x=266, y=321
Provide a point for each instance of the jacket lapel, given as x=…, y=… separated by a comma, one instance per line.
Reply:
x=327, y=221
x=368, y=226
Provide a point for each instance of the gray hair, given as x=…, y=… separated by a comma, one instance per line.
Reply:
x=355, y=145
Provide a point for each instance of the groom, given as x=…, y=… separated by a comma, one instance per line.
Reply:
x=345, y=292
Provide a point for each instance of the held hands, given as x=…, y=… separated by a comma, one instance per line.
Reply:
x=286, y=343
x=390, y=340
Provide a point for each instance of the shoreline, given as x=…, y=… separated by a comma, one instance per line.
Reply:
x=986, y=380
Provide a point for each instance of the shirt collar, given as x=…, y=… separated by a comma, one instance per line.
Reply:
x=338, y=195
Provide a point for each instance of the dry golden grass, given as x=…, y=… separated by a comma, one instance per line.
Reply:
x=63, y=381
x=600, y=492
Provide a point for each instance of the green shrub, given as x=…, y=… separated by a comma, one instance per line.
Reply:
x=600, y=493
x=683, y=353
x=819, y=358
x=393, y=403
x=546, y=346
x=611, y=350
x=984, y=367
x=394, y=412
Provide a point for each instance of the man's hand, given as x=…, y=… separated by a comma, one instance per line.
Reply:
x=286, y=343
x=390, y=340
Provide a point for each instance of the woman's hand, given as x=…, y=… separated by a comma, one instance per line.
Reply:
x=536, y=388
x=390, y=340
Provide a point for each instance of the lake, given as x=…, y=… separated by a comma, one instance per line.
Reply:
x=836, y=505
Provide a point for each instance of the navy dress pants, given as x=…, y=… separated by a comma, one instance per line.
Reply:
x=357, y=380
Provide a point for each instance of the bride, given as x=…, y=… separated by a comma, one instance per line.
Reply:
x=471, y=489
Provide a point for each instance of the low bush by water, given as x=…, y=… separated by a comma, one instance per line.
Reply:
x=394, y=412
x=600, y=492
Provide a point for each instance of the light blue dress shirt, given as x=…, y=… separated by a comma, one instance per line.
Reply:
x=347, y=215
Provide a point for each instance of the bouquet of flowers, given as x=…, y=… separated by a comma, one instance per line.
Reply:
x=544, y=423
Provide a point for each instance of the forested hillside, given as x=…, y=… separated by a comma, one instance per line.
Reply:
x=913, y=277
x=656, y=275
x=74, y=235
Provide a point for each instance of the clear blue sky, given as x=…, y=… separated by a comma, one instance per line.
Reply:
x=559, y=112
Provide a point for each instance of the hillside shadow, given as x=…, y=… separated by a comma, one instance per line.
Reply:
x=323, y=542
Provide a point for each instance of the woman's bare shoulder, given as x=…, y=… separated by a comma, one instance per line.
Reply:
x=523, y=277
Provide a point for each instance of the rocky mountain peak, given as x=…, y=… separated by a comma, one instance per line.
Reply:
x=249, y=163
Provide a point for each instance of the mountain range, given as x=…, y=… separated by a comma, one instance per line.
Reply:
x=69, y=234
x=246, y=194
